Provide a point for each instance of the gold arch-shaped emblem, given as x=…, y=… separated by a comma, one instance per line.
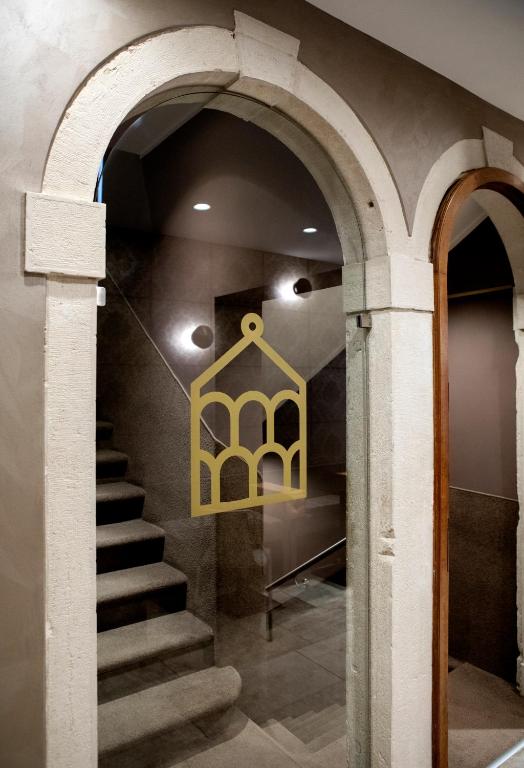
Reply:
x=252, y=329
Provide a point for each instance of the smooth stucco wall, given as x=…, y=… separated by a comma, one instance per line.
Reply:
x=482, y=358
x=413, y=114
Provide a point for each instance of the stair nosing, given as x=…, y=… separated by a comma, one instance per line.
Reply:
x=110, y=456
x=150, y=533
x=133, y=491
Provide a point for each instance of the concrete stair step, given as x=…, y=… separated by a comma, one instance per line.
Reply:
x=295, y=722
x=309, y=728
x=104, y=430
x=140, y=593
x=152, y=652
x=240, y=743
x=118, y=501
x=285, y=738
x=128, y=544
x=110, y=463
x=130, y=582
x=166, y=707
x=329, y=735
x=172, y=635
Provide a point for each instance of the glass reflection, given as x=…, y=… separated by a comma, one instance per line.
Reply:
x=266, y=581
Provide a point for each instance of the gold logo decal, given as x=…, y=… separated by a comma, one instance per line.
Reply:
x=252, y=330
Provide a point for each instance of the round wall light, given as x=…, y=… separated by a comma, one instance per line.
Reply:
x=310, y=230
x=202, y=336
x=302, y=287
x=201, y=207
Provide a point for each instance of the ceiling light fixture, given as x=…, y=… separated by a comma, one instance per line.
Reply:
x=201, y=207
x=310, y=230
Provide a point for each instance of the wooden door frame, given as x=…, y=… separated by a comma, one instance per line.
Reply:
x=511, y=187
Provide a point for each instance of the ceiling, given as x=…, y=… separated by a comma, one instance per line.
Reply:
x=478, y=44
x=261, y=196
x=469, y=216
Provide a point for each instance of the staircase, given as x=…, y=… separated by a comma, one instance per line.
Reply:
x=310, y=732
x=155, y=658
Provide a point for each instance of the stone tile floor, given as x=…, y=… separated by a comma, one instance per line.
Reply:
x=293, y=687
x=486, y=717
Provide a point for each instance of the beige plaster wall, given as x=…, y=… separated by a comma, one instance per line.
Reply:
x=482, y=358
x=413, y=115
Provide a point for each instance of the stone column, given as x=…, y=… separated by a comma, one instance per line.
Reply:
x=65, y=240
x=390, y=546
x=519, y=371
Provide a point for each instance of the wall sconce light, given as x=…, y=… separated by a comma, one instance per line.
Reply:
x=302, y=287
x=202, y=336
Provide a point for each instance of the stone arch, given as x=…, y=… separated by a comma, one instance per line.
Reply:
x=501, y=193
x=492, y=151
x=65, y=241
x=228, y=61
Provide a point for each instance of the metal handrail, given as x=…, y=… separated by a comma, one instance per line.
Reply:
x=289, y=575
x=307, y=564
x=508, y=754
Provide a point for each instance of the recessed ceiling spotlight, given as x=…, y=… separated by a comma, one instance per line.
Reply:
x=310, y=230
x=201, y=207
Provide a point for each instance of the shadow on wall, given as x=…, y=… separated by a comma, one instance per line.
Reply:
x=483, y=511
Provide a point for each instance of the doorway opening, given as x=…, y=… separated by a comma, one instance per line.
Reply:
x=222, y=622
x=478, y=712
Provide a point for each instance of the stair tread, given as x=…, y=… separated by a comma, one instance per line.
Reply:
x=118, y=491
x=160, y=708
x=109, y=456
x=135, y=643
x=133, y=582
x=126, y=532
